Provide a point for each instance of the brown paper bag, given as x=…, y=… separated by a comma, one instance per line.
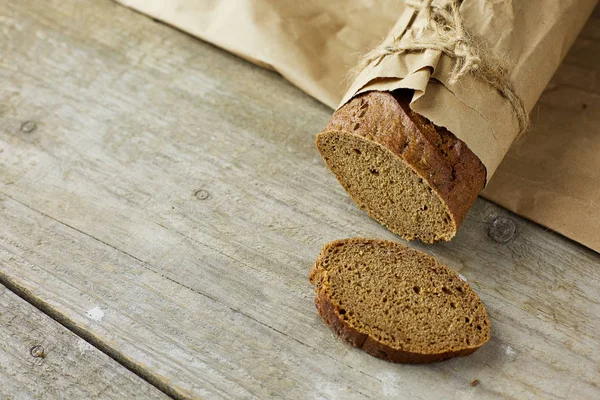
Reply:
x=314, y=44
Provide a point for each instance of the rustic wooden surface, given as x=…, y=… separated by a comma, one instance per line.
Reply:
x=41, y=359
x=177, y=189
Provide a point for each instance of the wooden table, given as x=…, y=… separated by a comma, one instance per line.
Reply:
x=161, y=203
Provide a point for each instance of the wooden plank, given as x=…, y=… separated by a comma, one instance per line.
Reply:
x=177, y=188
x=41, y=359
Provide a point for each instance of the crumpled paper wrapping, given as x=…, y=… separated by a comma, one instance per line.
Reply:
x=315, y=43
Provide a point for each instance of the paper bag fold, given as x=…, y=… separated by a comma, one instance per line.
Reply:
x=550, y=176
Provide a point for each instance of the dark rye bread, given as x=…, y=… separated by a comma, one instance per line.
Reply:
x=417, y=179
x=397, y=303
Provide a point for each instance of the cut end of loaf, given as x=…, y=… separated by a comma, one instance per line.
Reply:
x=416, y=178
x=387, y=187
x=397, y=303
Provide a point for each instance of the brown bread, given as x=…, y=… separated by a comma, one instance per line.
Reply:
x=397, y=303
x=417, y=179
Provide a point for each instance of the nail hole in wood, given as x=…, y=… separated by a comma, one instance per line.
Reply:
x=28, y=126
x=201, y=194
x=37, y=351
x=502, y=230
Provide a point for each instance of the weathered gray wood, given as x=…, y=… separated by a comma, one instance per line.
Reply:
x=177, y=188
x=41, y=359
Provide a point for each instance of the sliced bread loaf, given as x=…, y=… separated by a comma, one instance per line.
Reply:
x=417, y=179
x=397, y=303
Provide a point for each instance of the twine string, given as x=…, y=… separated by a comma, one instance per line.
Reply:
x=450, y=37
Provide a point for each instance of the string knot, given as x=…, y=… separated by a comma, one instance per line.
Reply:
x=450, y=37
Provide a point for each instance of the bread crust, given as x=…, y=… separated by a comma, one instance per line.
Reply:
x=330, y=312
x=445, y=162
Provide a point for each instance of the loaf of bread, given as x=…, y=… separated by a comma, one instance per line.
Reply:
x=417, y=179
x=397, y=303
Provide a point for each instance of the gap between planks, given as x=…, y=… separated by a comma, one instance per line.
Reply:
x=85, y=335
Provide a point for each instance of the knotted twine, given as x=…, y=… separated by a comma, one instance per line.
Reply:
x=451, y=38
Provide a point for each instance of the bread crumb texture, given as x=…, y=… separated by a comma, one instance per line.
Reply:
x=397, y=303
x=410, y=175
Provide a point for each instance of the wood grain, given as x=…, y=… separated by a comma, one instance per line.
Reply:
x=41, y=359
x=178, y=188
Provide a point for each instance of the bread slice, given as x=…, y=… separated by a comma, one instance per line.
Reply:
x=417, y=179
x=397, y=303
